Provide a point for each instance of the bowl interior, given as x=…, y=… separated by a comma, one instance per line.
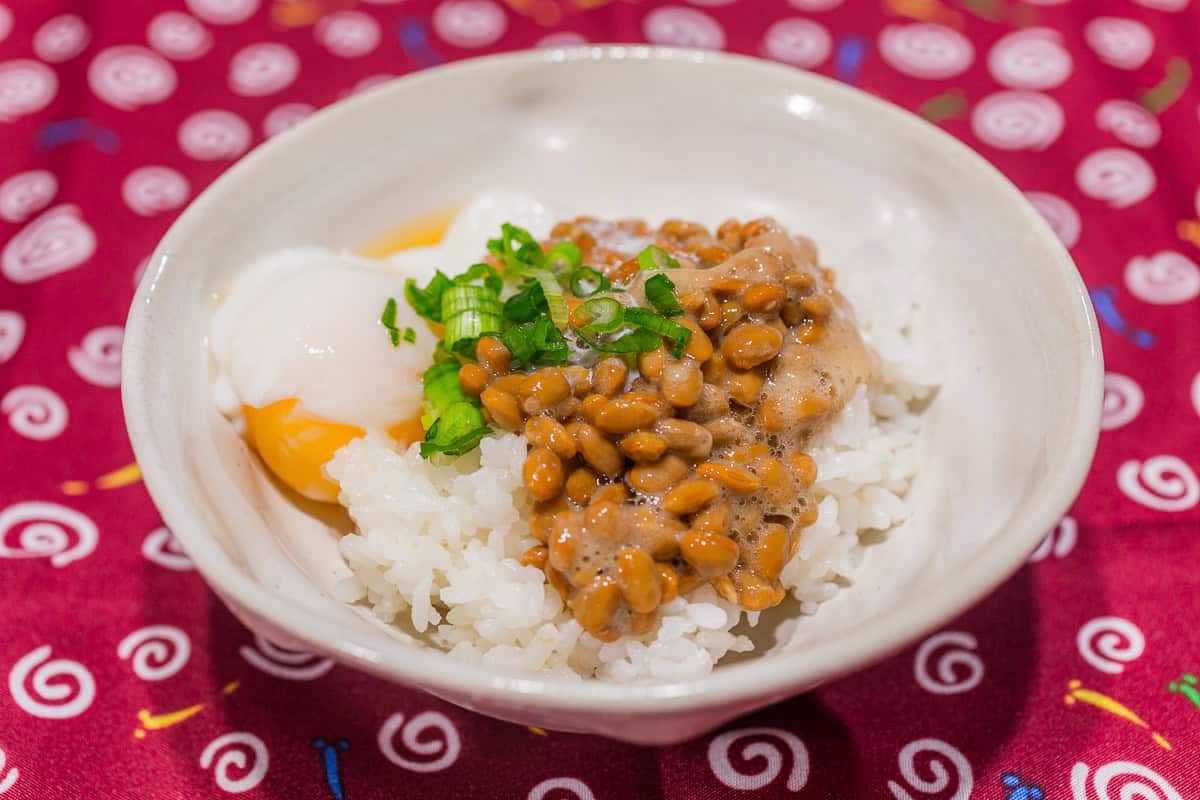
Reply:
x=631, y=131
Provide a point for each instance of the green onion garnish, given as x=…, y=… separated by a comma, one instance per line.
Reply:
x=527, y=304
x=552, y=291
x=564, y=258
x=491, y=278
x=442, y=355
x=600, y=315
x=640, y=340
x=427, y=302
x=660, y=291
x=469, y=311
x=388, y=320
x=441, y=388
x=646, y=319
x=585, y=282
x=535, y=344
x=654, y=257
x=517, y=248
x=456, y=431
x=409, y=336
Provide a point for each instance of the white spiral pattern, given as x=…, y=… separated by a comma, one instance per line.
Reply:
x=772, y=755
x=553, y=788
x=1033, y=58
x=1059, y=214
x=958, y=669
x=1163, y=279
x=129, y=77
x=1163, y=483
x=1123, y=401
x=939, y=781
x=1118, y=42
x=1134, y=782
x=26, y=87
x=258, y=70
x=349, y=34
x=438, y=754
x=235, y=753
x=286, y=116
x=469, y=23
x=12, y=333
x=1129, y=122
x=58, y=689
x=214, y=135
x=26, y=193
x=152, y=190
x=98, y=358
x=1109, y=643
x=223, y=12
x=161, y=547
x=35, y=412
x=799, y=42
x=8, y=778
x=61, y=38
x=1060, y=541
x=157, y=651
x=46, y=530
x=925, y=50
x=54, y=242
x=1018, y=120
x=1117, y=176
x=290, y=665
x=683, y=27
x=178, y=36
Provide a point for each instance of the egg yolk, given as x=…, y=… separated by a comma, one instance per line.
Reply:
x=295, y=445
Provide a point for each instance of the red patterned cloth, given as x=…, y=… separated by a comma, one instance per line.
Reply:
x=126, y=678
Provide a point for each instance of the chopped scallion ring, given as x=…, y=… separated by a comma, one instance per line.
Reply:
x=600, y=315
x=654, y=257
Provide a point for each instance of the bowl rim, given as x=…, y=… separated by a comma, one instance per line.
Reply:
x=767, y=678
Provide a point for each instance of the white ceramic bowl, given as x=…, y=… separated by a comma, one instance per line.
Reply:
x=654, y=133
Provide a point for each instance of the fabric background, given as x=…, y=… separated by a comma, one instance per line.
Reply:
x=1071, y=681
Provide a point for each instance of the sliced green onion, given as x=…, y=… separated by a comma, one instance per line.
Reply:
x=441, y=388
x=599, y=315
x=457, y=431
x=409, y=336
x=646, y=319
x=639, y=340
x=469, y=311
x=464, y=349
x=585, y=282
x=535, y=344
x=654, y=257
x=660, y=291
x=491, y=278
x=527, y=304
x=517, y=248
x=442, y=355
x=427, y=302
x=564, y=258
x=388, y=320
x=552, y=291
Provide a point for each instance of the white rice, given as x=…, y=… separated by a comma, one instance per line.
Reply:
x=440, y=546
